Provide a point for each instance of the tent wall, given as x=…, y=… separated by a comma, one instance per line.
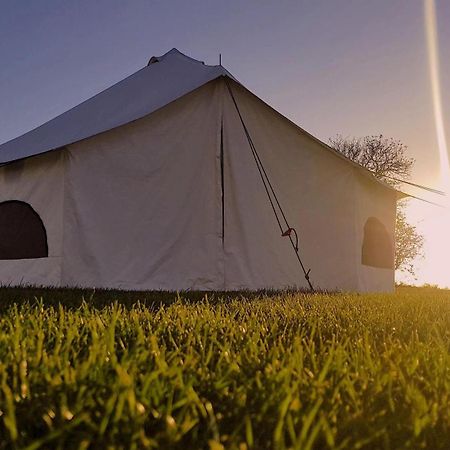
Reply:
x=315, y=188
x=374, y=201
x=324, y=197
x=142, y=207
x=39, y=182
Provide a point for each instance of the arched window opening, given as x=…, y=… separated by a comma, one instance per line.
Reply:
x=22, y=232
x=377, y=249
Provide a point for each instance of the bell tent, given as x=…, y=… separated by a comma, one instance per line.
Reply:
x=177, y=178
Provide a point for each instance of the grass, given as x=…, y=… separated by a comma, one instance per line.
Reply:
x=133, y=370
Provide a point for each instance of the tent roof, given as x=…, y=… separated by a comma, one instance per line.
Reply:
x=363, y=170
x=165, y=79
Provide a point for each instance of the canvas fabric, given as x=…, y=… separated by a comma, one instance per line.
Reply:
x=140, y=206
x=167, y=79
x=38, y=182
x=326, y=199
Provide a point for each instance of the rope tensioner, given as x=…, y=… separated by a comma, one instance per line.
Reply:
x=288, y=232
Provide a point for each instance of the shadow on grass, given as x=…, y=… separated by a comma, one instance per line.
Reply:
x=99, y=298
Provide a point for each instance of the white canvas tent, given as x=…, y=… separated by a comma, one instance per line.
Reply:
x=155, y=184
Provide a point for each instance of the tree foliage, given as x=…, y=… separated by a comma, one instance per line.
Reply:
x=408, y=243
x=386, y=158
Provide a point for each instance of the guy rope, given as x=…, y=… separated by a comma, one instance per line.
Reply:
x=285, y=229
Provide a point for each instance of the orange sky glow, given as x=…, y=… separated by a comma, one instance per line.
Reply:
x=435, y=224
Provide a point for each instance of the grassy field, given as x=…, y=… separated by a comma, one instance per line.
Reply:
x=110, y=370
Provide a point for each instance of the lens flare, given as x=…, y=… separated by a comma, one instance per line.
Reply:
x=433, y=60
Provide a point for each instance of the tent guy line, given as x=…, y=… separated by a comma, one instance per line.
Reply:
x=265, y=178
x=420, y=186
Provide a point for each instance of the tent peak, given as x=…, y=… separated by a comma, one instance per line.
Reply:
x=164, y=80
x=171, y=54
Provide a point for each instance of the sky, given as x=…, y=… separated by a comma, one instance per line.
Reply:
x=349, y=67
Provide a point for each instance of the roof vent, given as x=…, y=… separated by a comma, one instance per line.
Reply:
x=173, y=53
x=153, y=60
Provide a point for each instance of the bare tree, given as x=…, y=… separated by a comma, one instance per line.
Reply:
x=386, y=158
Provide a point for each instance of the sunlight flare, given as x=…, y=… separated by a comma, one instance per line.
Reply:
x=433, y=60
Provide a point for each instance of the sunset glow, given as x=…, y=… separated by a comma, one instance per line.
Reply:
x=435, y=227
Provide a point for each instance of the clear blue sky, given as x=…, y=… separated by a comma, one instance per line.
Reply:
x=354, y=67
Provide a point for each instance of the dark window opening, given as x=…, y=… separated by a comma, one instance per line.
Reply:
x=22, y=232
x=377, y=249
